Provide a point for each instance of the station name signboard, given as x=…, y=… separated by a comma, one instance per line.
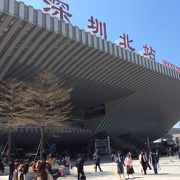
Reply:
x=96, y=27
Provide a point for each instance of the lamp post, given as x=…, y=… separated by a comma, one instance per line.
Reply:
x=109, y=145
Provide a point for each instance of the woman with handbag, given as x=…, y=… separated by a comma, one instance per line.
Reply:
x=129, y=165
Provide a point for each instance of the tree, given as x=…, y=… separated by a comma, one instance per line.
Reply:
x=48, y=103
x=11, y=108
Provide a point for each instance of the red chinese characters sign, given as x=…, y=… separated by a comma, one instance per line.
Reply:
x=149, y=52
x=97, y=27
x=125, y=42
x=169, y=65
x=58, y=8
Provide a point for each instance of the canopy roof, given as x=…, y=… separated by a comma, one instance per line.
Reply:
x=98, y=70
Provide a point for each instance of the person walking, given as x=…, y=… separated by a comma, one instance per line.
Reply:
x=96, y=159
x=119, y=159
x=49, y=162
x=179, y=153
x=155, y=160
x=80, y=168
x=113, y=157
x=32, y=174
x=24, y=170
x=16, y=169
x=143, y=159
x=68, y=161
x=42, y=173
x=1, y=166
x=11, y=169
x=169, y=153
x=148, y=161
x=129, y=165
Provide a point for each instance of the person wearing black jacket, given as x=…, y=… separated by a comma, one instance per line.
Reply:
x=119, y=159
x=143, y=159
x=96, y=159
x=49, y=162
x=1, y=166
x=155, y=160
x=11, y=169
x=25, y=169
x=80, y=167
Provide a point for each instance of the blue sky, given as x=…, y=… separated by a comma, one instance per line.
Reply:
x=154, y=22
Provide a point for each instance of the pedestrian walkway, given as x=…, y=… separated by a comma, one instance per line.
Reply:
x=169, y=171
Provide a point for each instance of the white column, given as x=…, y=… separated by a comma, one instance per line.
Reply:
x=31, y=14
x=2, y=5
x=39, y=19
x=21, y=10
x=11, y=7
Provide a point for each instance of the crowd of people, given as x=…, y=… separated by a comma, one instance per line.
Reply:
x=44, y=170
x=124, y=163
x=37, y=170
x=146, y=159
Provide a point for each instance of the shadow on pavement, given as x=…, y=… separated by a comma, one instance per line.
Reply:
x=136, y=177
x=104, y=173
x=159, y=174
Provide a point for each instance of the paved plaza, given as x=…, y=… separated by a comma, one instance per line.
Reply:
x=169, y=171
